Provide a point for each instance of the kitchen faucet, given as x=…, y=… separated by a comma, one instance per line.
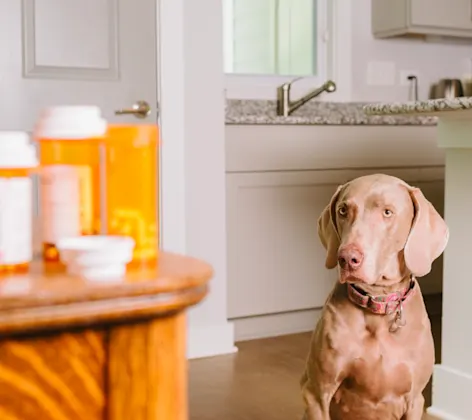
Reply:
x=285, y=107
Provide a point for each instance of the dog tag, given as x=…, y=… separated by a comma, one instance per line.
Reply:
x=398, y=321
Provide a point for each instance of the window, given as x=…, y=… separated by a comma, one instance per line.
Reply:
x=268, y=42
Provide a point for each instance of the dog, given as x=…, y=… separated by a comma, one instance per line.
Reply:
x=372, y=351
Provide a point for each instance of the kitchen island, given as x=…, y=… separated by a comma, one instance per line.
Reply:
x=452, y=379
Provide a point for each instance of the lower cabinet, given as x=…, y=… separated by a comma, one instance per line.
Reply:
x=275, y=260
x=279, y=178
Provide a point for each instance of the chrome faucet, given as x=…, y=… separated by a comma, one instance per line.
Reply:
x=285, y=106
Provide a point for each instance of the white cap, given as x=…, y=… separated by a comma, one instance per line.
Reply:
x=16, y=150
x=70, y=122
x=96, y=257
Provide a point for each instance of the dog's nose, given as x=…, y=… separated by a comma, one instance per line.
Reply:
x=350, y=257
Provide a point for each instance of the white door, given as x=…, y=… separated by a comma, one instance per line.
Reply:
x=67, y=52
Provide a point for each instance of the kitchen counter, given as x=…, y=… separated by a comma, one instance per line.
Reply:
x=418, y=108
x=452, y=379
x=263, y=112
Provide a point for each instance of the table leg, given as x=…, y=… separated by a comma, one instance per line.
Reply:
x=147, y=372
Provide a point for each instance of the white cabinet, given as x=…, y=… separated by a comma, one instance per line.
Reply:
x=422, y=17
x=278, y=181
x=275, y=259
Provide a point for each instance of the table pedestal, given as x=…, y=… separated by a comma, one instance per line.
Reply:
x=75, y=350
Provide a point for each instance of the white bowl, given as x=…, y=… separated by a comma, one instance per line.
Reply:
x=98, y=256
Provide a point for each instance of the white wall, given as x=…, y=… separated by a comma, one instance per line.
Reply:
x=193, y=196
x=433, y=59
x=205, y=169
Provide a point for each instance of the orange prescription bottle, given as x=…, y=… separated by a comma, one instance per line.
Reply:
x=17, y=159
x=131, y=167
x=69, y=143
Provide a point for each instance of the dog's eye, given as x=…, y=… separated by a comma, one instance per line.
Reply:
x=342, y=211
x=388, y=213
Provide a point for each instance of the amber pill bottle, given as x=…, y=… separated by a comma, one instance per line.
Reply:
x=17, y=161
x=132, y=170
x=69, y=142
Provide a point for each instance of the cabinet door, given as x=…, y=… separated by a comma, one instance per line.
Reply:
x=453, y=14
x=275, y=260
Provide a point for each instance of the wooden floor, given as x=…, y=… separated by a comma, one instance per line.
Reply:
x=260, y=382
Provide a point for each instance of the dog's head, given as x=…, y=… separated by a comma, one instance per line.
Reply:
x=378, y=230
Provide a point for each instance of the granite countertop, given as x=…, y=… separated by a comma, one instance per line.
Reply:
x=432, y=106
x=263, y=112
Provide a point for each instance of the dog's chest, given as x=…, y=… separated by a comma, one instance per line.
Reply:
x=381, y=366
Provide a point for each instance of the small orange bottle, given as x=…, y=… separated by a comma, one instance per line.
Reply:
x=132, y=188
x=17, y=159
x=69, y=143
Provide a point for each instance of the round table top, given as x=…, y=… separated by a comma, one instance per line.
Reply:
x=47, y=297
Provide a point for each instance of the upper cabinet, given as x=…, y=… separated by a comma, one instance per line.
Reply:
x=422, y=17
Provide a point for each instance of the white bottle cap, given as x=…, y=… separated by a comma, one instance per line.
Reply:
x=71, y=122
x=16, y=150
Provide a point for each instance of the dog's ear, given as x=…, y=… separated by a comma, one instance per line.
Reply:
x=328, y=232
x=428, y=235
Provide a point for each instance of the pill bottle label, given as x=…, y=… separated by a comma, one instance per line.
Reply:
x=66, y=201
x=16, y=221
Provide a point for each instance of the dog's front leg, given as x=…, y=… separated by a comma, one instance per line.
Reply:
x=326, y=366
x=317, y=398
x=415, y=412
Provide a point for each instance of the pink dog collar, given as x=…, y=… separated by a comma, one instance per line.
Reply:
x=382, y=305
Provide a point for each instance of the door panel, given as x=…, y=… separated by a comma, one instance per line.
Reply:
x=99, y=52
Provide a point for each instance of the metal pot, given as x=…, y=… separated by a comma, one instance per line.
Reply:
x=448, y=88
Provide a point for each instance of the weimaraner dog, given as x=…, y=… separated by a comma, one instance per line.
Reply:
x=372, y=352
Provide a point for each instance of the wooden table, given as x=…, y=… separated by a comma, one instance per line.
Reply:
x=77, y=350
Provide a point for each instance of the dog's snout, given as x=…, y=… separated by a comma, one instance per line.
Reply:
x=350, y=257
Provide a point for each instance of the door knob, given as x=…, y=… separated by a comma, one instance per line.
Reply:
x=140, y=109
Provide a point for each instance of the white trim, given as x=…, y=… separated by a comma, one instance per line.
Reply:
x=210, y=341
x=171, y=98
x=340, y=50
x=336, y=54
x=300, y=321
x=451, y=394
x=228, y=43
x=183, y=79
x=273, y=325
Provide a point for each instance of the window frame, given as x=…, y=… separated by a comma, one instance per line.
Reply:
x=334, y=60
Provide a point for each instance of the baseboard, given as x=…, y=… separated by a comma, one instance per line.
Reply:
x=452, y=390
x=273, y=325
x=284, y=323
x=441, y=415
x=208, y=341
